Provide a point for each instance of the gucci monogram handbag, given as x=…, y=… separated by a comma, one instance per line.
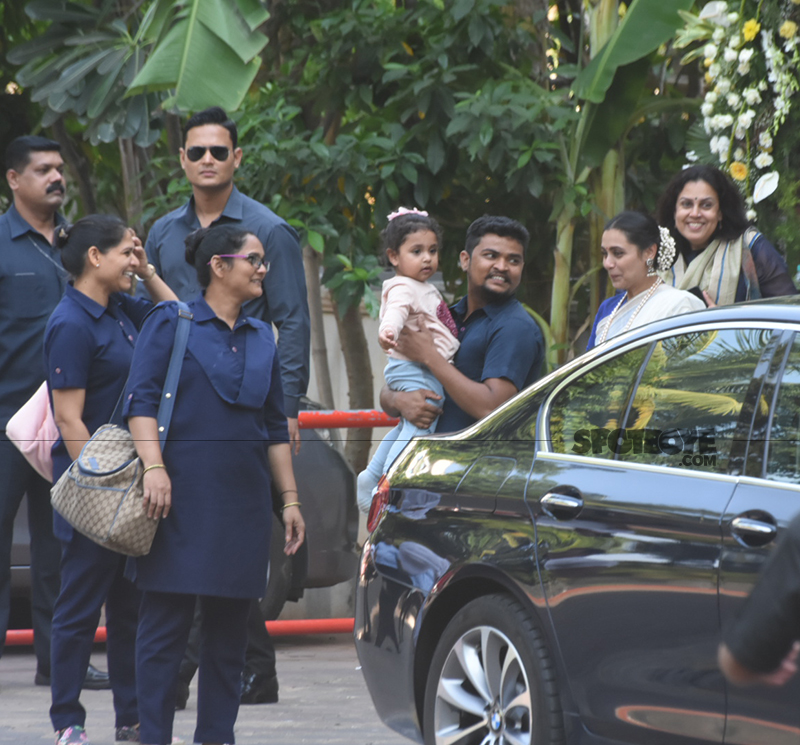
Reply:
x=101, y=493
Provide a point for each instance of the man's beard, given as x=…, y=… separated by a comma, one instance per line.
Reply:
x=490, y=296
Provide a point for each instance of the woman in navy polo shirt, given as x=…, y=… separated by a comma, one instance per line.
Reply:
x=88, y=348
x=211, y=484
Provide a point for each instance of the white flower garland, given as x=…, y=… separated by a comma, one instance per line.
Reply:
x=751, y=77
x=666, y=249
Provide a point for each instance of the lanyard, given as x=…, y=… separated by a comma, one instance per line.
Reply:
x=64, y=274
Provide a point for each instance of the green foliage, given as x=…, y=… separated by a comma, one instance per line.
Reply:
x=167, y=188
x=779, y=219
x=83, y=62
x=19, y=115
x=384, y=112
x=205, y=52
x=352, y=283
x=646, y=26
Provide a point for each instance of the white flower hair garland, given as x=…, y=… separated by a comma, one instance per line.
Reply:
x=666, y=249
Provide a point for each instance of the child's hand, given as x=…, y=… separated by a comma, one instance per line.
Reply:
x=386, y=340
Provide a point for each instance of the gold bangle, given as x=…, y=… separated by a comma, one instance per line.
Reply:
x=290, y=504
x=150, y=468
x=288, y=491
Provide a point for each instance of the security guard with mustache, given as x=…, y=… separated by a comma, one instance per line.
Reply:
x=32, y=282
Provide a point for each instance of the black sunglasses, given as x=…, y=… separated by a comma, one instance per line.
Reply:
x=218, y=152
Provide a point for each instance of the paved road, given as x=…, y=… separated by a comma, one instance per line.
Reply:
x=323, y=701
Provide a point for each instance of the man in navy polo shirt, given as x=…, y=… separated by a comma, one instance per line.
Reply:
x=32, y=281
x=209, y=157
x=501, y=348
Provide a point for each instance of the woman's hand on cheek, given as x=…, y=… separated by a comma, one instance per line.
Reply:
x=157, y=493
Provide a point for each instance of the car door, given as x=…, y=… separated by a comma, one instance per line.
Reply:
x=764, y=502
x=627, y=497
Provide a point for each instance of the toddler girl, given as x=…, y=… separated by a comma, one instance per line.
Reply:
x=411, y=241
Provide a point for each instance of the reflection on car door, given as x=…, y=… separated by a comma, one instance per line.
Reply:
x=628, y=536
x=764, y=502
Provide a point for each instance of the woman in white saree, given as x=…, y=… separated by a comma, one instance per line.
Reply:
x=634, y=248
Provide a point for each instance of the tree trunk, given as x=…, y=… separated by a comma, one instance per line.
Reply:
x=174, y=134
x=608, y=187
x=78, y=165
x=319, y=348
x=132, y=184
x=559, y=306
x=359, y=380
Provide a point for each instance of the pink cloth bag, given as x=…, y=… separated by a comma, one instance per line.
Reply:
x=33, y=430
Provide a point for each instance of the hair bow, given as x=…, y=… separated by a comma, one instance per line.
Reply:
x=405, y=211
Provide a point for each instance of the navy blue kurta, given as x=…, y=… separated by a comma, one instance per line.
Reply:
x=89, y=346
x=228, y=410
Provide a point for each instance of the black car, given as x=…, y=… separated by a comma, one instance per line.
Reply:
x=326, y=486
x=561, y=571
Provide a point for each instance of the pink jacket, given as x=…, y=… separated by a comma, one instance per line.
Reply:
x=408, y=302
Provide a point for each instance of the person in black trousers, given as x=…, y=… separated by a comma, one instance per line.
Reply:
x=209, y=157
x=210, y=484
x=32, y=281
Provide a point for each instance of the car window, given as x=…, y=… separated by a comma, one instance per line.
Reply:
x=686, y=408
x=586, y=413
x=783, y=459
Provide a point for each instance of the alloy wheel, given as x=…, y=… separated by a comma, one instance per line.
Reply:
x=483, y=696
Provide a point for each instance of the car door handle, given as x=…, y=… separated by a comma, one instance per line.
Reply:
x=753, y=532
x=561, y=506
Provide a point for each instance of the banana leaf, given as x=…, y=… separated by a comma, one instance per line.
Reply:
x=209, y=55
x=646, y=26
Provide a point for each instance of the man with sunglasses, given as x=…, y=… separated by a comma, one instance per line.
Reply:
x=209, y=157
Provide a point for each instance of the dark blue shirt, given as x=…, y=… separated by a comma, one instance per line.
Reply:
x=499, y=340
x=284, y=301
x=32, y=282
x=90, y=347
x=233, y=359
x=228, y=412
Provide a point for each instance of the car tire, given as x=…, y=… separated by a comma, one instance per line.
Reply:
x=492, y=680
x=280, y=574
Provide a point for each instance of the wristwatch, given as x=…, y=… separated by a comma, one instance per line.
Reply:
x=151, y=272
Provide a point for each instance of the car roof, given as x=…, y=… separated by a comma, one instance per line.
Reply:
x=772, y=310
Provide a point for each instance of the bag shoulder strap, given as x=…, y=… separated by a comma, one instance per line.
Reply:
x=167, y=404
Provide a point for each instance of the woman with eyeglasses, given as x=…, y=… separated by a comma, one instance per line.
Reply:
x=210, y=484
